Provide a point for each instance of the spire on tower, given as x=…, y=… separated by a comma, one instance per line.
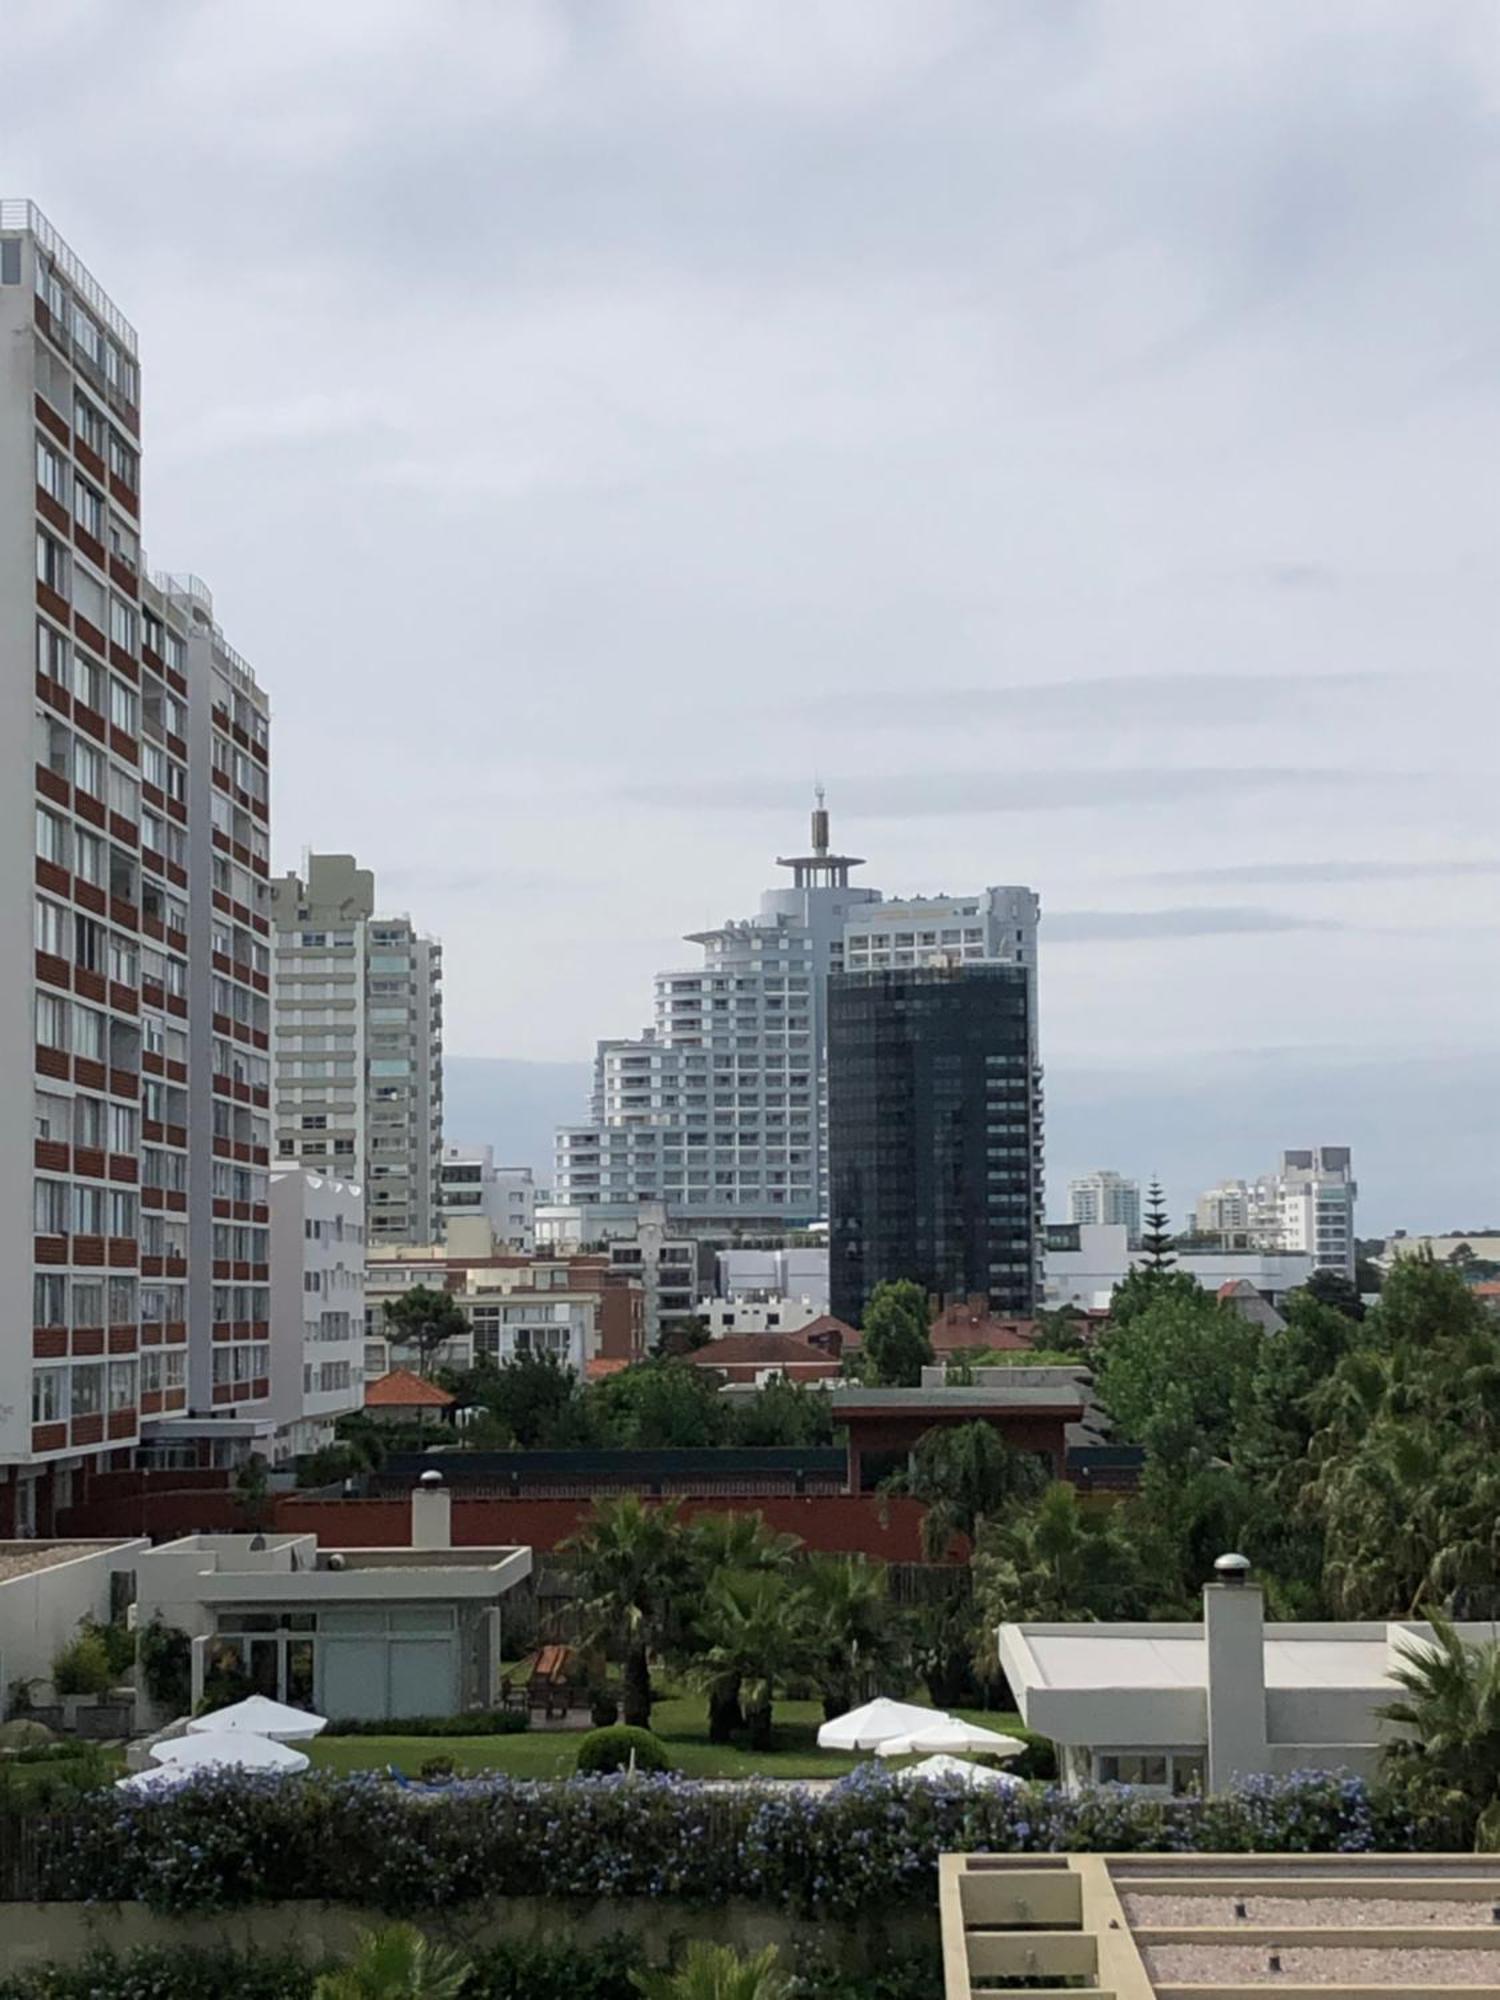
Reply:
x=821, y=869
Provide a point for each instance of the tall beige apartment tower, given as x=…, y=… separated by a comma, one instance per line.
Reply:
x=134, y=935
x=359, y=1045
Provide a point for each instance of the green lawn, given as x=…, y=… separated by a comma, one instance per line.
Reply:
x=680, y=1722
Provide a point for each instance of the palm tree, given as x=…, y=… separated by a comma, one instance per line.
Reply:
x=851, y=1631
x=636, y=1571
x=965, y=1474
x=1056, y=1561
x=1449, y=1753
x=744, y=1544
x=755, y=1634
x=715, y=1972
x=397, y=1963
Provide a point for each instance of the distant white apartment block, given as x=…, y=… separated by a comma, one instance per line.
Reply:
x=719, y=1110
x=317, y=1306
x=1306, y=1206
x=359, y=1045
x=469, y=1184
x=1105, y=1196
x=1084, y=1261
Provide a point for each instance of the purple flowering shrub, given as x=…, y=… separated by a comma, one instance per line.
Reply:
x=867, y=1845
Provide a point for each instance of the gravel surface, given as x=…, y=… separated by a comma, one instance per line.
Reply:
x=1414, y=1968
x=23, y=1562
x=1303, y=1912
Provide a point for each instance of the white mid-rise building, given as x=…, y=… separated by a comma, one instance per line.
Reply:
x=720, y=1109
x=359, y=1045
x=793, y=1273
x=471, y=1184
x=317, y=1307
x=1105, y=1196
x=1306, y=1206
x=1085, y=1261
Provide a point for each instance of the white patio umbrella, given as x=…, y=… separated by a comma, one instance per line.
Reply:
x=259, y=1716
x=950, y=1732
x=155, y=1778
x=234, y=1750
x=868, y=1727
x=935, y=1768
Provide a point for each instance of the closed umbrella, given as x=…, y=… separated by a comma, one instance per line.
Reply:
x=233, y=1750
x=946, y=1769
x=868, y=1727
x=260, y=1716
x=950, y=1732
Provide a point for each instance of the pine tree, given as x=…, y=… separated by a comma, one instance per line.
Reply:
x=1156, y=1238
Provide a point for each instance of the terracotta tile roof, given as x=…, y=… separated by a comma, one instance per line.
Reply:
x=764, y=1350
x=958, y=1328
x=605, y=1364
x=402, y=1390
x=827, y=1331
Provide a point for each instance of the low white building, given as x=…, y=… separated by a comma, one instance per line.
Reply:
x=470, y=1184
x=47, y=1589
x=357, y=1634
x=799, y=1272
x=1182, y=1707
x=771, y=1314
x=1085, y=1261
x=317, y=1307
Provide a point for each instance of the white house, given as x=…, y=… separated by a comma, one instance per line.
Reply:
x=1178, y=1707
x=47, y=1589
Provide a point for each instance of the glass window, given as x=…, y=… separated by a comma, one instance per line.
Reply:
x=88, y=1390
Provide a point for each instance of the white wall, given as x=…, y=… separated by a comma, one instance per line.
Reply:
x=40, y=1611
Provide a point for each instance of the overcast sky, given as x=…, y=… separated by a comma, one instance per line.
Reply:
x=1068, y=430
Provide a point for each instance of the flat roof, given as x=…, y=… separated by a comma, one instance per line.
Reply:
x=26, y=1558
x=1109, y=1661
x=1062, y=1395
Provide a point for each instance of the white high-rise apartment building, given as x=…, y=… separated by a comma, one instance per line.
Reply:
x=359, y=1045
x=1306, y=1206
x=1105, y=1196
x=133, y=978
x=317, y=1306
x=471, y=1184
x=720, y=1109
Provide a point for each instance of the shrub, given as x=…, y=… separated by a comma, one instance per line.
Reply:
x=82, y=1667
x=118, y=1642
x=437, y=1767
x=604, y=1710
x=486, y=1722
x=185, y=1972
x=1037, y=1760
x=604, y=1750
x=225, y=1841
x=165, y=1654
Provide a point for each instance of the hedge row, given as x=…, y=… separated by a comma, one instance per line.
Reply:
x=225, y=1841
x=551, y=1970
x=484, y=1722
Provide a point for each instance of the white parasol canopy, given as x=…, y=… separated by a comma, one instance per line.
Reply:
x=868, y=1727
x=259, y=1716
x=942, y=1768
x=155, y=1778
x=950, y=1732
x=234, y=1750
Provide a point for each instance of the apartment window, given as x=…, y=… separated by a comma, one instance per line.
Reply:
x=49, y=1299
x=123, y=707
x=122, y=624
x=88, y=769
x=88, y=944
x=51, y=1022
x=122, y=1385
x=88, y=1302
x=90, y=1033
x=51, y=837
x=88, y=1389
x=51, y=472
x=50, y=1207
x=122, y=460
x=49, y=1395
x=88, y=509
x=124, y=793
x=51, y=564
x=50, y=931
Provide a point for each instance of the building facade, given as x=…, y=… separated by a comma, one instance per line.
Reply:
x=317, y=1307
x=469, y=1183
x=935, y=1134
x=133, y=985
x=359, y=1045
x=1305, y=1207
x=1105, y=1196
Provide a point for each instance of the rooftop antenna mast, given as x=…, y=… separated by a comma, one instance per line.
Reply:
x=821, y=869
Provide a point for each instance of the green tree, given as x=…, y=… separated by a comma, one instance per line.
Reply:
x=1156, y=1237
x=965, y=1474
x=1175, y=1376
x=715, y=1972
x=853, y=1637
x=424, y=1319
x=1053, y=1561
x=782, y=1413
x=1446, y=1761
x=636, y=1574
x=252, y=1491
x=895, y=1341
x=659, y=1404
x=396, y=1963
x=755, y=1636
x=719, y=1543
x=537, y=1401
x=1332, y=1288
x=1059, y=1331
x=682, y=1335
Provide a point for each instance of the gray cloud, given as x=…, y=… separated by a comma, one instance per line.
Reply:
x=1104, y=702
x=1100, y=926
x=1269, y=873
x=925, y=795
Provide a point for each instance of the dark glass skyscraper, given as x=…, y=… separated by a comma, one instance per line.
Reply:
x=934, y=1131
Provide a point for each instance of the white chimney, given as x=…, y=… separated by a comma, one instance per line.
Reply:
x=431, y=1513
x=1234, y=1645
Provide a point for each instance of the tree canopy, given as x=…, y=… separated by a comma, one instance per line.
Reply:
x=895, y=1341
